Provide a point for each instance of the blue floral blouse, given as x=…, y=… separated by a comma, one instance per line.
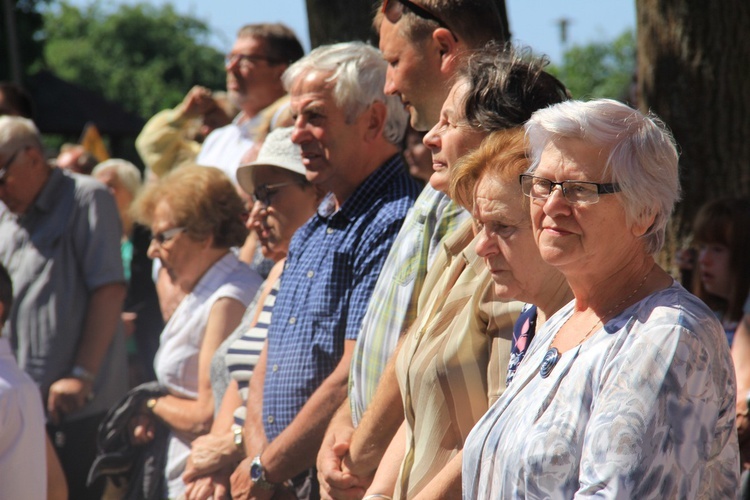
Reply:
x=643, y=409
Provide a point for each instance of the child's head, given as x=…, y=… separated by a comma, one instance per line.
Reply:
x=722, y=234
x=6, y=295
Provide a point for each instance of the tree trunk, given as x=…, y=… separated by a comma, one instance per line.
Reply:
x=693, y=72
x=332, y=21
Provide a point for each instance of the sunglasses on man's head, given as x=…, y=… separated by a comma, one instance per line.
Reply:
x=394, y=9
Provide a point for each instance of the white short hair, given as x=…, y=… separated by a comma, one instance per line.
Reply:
x=17, y=132
x=359, y=72
x=127, y=173
x=642, y=155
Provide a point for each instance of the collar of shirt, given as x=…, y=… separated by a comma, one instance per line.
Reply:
x=246, y=125
x=456, y=242
x=472, y=259
x=365, y=195
x=47, y=198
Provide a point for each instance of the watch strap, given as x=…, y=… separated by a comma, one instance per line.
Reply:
x=239, y=440
x=258, y=475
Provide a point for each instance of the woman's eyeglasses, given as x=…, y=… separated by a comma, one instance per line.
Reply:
x=394, y=9
x=264, y=192
x=539, y=188
x=168, y=235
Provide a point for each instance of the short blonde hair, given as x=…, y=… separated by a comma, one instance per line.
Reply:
x=502, y=153
x=202, y=199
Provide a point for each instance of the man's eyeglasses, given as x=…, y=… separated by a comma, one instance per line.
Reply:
x=245, y=61
x=264, y=192
x=539, y=188
x=6, y=166
x=167, y=235
x=394, y=9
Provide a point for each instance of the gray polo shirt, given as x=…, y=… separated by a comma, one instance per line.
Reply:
x=62, y=249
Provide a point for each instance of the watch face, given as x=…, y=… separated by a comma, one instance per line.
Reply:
x=256, y=472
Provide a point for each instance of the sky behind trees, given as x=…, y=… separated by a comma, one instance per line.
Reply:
x=533, y=23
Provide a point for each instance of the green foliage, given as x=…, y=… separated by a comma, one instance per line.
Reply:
x=601, y=69
x=144, y=57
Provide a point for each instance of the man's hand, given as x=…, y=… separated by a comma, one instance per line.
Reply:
x=67, y=395
x=243, y=488
x=335, y=482
x=208, y=454
x=197, y=102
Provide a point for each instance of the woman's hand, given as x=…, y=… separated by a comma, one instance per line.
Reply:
x=141, y=428
x=215, y=486
x=743, y=432
x=209, y=453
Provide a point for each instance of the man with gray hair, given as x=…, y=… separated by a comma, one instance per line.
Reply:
x=260, y=55
x=348, y=131
x=61, y=246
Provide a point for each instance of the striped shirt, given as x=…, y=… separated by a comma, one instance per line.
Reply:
x=243, y=353
x=333, y=263
x=393, y=306
x=452, y=362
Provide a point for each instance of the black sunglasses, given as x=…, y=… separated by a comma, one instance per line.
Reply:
x=394, y=9
x=8, y=163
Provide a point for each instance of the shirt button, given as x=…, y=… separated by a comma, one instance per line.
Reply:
x=270, y=419
x=310, y=274
x=329, y=230
x=292, y=320
x=275, y=368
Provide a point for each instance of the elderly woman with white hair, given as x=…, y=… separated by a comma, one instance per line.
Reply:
x=141, y=315
x=628, y=391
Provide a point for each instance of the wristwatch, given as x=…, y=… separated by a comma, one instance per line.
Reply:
x=82, y=373
x=258, y=475
x=238, y=438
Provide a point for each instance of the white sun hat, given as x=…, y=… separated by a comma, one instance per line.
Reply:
x=277, y=150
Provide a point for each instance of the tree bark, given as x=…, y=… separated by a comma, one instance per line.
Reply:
x=693, y=72
x=332, y=21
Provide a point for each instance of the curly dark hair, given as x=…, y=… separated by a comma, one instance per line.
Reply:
x=506, y=86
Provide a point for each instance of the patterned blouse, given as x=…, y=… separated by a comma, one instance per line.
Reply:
x=523, y=334
x=643, y=409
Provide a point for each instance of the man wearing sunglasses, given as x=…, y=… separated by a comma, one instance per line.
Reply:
x=60, y=241
x=260, y=55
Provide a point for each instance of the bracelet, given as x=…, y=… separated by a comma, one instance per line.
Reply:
x=377, y=495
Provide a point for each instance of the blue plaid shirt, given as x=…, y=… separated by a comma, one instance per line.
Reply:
x=333, y=263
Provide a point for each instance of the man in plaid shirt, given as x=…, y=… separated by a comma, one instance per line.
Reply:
x=349, y=133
